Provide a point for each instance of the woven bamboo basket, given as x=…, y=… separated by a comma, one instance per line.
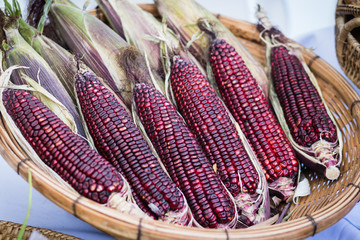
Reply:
x=10, y=231
x=328, y=202
x=347, y=33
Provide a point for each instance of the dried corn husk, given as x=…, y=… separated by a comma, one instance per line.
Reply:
x=51, y=102
x=19, y=52
x=255, y=207
x=182, y=17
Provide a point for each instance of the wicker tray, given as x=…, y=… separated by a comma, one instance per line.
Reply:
x=328, y=203
x=347, y=33
x=10, y=231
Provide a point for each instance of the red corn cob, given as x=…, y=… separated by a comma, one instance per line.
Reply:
x=208, y=120
x=63, y=151
x=184, y=159
x=121, y=143
x=247, y=103
x=303, y=108
x=298, y=103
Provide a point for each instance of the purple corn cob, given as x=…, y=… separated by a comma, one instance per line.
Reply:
x=303, y=108
x=306, y=117
x=184, y=159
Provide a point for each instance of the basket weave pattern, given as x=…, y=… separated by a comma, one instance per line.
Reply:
x=328, y=203
x=347, y=45
x=10, y=231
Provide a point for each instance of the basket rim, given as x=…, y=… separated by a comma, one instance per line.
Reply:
x=86, y=209
x=12, y=229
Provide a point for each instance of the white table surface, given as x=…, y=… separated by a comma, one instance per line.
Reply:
x=310, y=23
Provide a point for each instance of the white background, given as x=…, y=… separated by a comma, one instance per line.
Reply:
x=309, y=22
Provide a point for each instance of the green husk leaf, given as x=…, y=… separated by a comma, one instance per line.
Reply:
x=26, y=31
x=23, y=226
x=5, y=46
x=17, y=8
x=12, y=10
x=289, y=215
x=8, y=8
x=5, y=75
x=43, y=18
x=61, y=61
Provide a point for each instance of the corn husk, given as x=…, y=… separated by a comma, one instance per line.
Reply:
x=322, y=156
x=182, y=18
x=146, y=33
x=97, y=45
x=112, y=16
x=135, y=24
x=19, y=52
x=61, y=61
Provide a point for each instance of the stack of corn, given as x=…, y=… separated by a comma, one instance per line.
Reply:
x=156, y=130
